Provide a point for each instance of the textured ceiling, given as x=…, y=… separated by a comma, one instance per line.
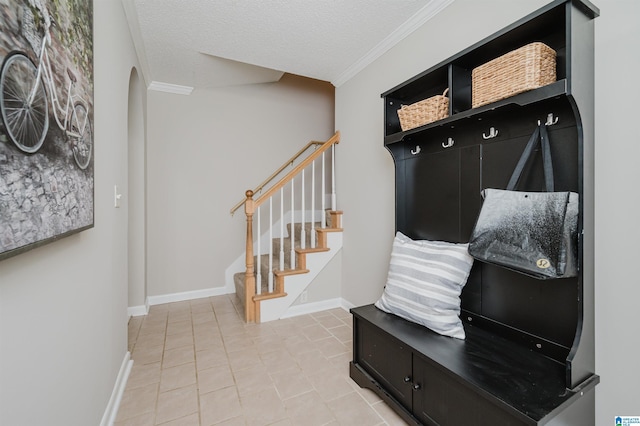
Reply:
x=211, y=43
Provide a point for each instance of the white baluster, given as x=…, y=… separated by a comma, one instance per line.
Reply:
x=333, y=178
x=270, y=279
x=313, y=204
x=282, y=228
x=323, y=218
x=292, y=233
x=258, y=259
x=303, y=233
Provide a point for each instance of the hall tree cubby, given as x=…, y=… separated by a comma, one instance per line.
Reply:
x=528, y=358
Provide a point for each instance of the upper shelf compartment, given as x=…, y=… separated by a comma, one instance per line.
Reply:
x=550, y=25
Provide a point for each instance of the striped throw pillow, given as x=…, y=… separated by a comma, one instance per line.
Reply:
x=424, y=283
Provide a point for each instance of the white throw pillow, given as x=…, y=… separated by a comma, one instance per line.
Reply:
x=425, y=281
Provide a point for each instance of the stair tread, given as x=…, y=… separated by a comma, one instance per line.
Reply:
x=287, y=272
x=312, y=250
x=331, y=230
x=267, y=296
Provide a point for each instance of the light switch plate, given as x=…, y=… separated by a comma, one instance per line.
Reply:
x=116, y=197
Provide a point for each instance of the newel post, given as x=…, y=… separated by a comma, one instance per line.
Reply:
x=249, y=277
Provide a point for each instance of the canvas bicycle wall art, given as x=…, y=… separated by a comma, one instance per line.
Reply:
x=46, y=126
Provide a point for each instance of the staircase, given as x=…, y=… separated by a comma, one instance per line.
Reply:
x=280, y=265
x=289, y=282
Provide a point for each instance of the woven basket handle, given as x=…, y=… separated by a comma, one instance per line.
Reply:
x=402, y=106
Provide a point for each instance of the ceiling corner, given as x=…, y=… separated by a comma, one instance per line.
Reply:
x=416, y=21
x=136, y=36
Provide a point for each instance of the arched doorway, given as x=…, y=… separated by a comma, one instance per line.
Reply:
x=136, y=202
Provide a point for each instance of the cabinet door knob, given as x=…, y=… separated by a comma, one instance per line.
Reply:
x=407, y=379
x=416, y=386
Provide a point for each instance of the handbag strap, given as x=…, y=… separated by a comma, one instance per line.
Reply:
x=539, y=134
x=546, y=159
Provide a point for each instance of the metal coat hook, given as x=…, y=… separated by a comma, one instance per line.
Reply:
x=416, y=151
x=551, y=120
x=449, y=143
x=492, y=133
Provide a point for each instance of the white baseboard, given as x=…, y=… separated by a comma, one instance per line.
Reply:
x=346, y=305
x=310, y=308
x=136, y=311
x=111, y=411
x=187, y=295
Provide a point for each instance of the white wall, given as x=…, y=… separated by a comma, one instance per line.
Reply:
x=367, y=192
x=326, y=286
x=204, y=151
x=63, y=306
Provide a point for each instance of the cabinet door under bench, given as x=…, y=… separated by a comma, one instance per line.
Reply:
x=437, y=380
x=441, y=400
x=388, y=362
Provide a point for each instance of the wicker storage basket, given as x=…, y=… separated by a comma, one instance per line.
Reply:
x=526, y=68
x=423, y=112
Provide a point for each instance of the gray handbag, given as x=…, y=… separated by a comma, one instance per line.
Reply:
x=534, y=233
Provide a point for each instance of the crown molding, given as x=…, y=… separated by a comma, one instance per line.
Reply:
x=416, y=21
x=170, y=88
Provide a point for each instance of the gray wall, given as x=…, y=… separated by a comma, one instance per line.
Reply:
x=367, y=193
x=63, y=307
x=617, y=204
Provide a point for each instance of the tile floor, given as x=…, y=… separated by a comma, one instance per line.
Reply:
x=198, y=363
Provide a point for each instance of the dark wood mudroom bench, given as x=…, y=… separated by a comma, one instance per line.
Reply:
x=528, y=357
x=484, y=379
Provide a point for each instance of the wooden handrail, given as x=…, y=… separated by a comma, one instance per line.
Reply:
x=276, y=173
x=335, y=139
